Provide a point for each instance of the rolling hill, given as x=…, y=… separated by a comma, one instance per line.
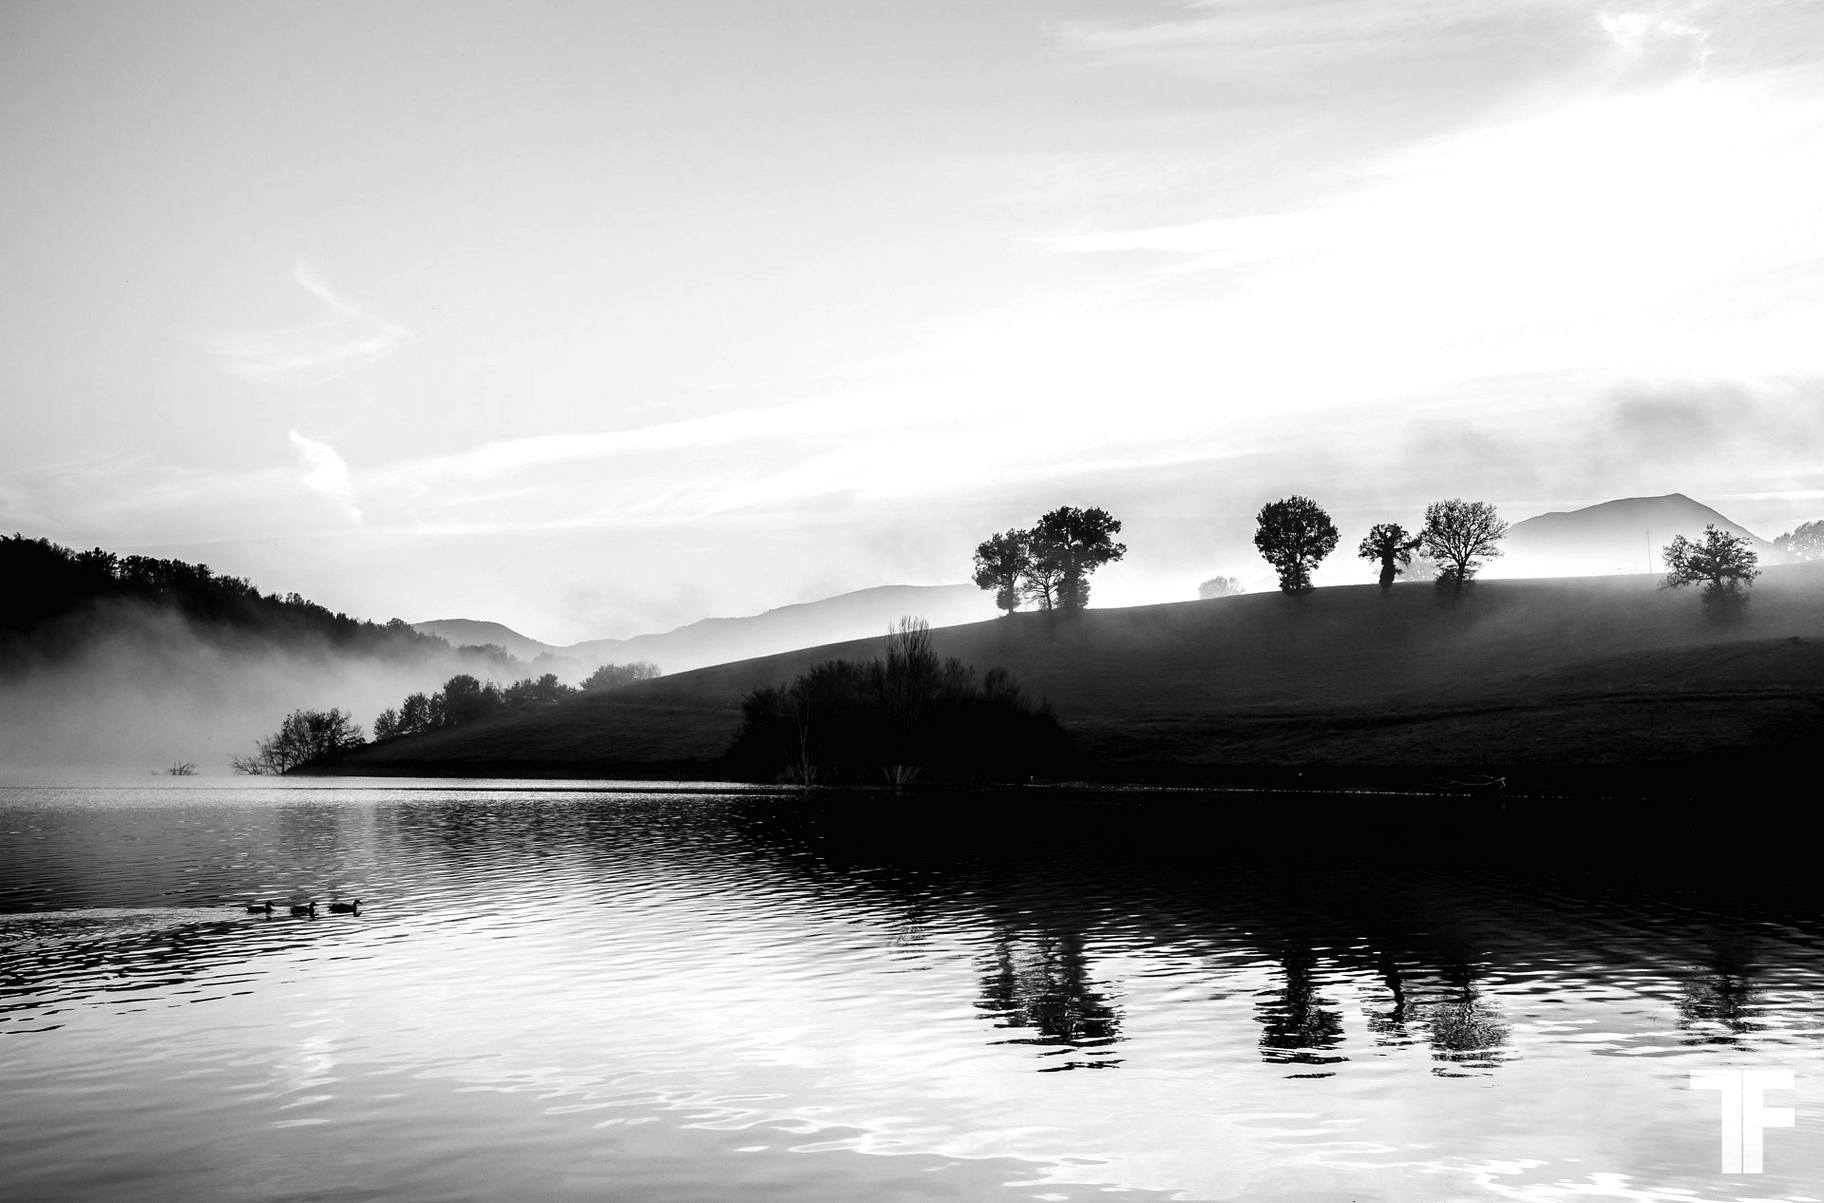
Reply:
x=857, y=615
x=1622, y=536
x=1551, y=680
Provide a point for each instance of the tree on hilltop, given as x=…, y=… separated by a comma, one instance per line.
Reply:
x=1390, y=545
x=1072, y=543
x=1221, y=586
x=1294, y=535
x=1722, y=563
x=1459, y=535
x=1050, y=563
x=1003, y=563
x=610, y=675
x=1803, y=542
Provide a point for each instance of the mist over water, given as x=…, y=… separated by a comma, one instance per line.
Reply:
x=143, y=688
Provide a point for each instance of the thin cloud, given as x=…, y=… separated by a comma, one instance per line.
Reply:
x=342, y=339
x=326, y=474
x=1270, y=32
x=1659, y=43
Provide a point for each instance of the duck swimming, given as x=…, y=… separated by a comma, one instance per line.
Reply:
x=260, y=908
x=310, y=910
x=346, y=908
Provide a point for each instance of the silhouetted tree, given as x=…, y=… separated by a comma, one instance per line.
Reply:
x=1389, y=544
x=1723, y=564
x=902, y=716
x=386, y=726
x=1459, y=535
x=610, y=675
x=463, y=700
x=1040, y=585
x=1068, y=544
x=1003, y=563
x=543, y=689
x=1221, y=586
x=1803, y=542
x=414, y=715
x=305, y=737
x=1294, y=535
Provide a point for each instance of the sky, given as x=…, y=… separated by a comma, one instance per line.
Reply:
x=600, y=318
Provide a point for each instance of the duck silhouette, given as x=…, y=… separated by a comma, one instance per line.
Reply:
x=310, y=910
x=346, y=908
x=260, y=908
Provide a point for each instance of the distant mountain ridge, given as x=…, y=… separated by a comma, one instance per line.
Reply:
x=471, y=632
x=1622, y=536
x=857, y=615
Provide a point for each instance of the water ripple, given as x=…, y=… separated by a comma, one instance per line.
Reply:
x=718, y=993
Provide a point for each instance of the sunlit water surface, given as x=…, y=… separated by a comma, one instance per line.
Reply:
x=565, y=991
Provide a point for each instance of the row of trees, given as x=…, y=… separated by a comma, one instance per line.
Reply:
x=1295, y=534
x=463, y=698
x=53, y=587
x=900, y=717
x=1803, y=542
x=1049, y=563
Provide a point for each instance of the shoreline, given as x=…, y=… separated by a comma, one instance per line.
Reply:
x=1618, y=783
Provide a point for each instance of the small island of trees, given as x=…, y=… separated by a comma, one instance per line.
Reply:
x=902, y=717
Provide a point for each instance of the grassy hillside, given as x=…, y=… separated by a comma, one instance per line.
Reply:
x=1601, y=675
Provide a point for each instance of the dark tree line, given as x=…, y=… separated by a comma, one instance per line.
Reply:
x=1295, y=534
x=905, y=716
x=464, y=699
x=52, y=589
x=610, y=675
x=1048, y=564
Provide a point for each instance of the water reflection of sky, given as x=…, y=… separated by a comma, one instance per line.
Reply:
x=756, y=992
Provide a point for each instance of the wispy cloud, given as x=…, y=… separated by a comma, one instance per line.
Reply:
x=1656, y=41
x=1308, y=35
x=342, y=337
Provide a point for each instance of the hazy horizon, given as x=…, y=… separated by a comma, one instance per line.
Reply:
x=598, y=320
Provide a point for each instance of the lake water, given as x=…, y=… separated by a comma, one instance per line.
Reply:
x=557, y=990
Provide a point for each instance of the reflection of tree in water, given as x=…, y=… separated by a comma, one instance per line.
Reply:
x=1718, y=1004
x=1465, y=1026
x=1041, y=983
x=1297, y=1025
x=1388, y=1024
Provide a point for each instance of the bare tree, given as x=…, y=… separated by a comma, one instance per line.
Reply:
x=1459, y=535
x=305, y=737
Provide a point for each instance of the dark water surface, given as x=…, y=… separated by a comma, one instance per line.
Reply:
x=564, y=991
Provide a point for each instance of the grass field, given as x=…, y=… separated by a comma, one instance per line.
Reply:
x=1558, y=682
